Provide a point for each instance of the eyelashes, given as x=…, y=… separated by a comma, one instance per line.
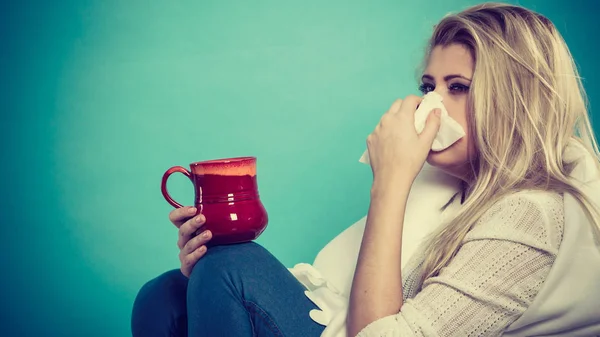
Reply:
x=454, y=89
x=425, y=88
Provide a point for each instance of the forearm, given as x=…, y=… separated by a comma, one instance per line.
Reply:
x=377, y=284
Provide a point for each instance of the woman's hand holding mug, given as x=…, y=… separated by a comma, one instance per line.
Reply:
x=192, y=247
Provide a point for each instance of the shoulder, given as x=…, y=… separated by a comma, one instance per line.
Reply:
x=531, y=217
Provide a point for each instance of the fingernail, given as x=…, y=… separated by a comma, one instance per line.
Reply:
x=205, y=234
x=438, y=112
x=192, y=210
x=199, y=218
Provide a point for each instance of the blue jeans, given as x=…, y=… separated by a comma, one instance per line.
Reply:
x=234, y=291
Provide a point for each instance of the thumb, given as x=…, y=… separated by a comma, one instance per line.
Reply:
x=432, y=126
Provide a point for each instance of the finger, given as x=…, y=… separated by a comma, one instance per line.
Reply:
x=410, y=104
x=395, y=106
x=179, y=216
x=187, y=230
x=432, y=126
x=196, y=242
x=189, y=261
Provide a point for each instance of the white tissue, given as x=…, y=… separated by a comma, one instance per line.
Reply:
x=450, y=131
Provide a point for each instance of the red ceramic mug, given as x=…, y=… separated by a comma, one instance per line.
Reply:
x=226, y=192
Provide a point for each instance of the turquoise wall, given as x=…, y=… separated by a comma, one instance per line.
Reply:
x=99, y=98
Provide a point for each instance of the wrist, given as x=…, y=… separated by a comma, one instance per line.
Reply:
x=395, y=184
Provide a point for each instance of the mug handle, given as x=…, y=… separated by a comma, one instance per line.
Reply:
x=163, y=184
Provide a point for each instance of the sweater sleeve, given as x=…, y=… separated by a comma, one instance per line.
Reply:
x=494, y=277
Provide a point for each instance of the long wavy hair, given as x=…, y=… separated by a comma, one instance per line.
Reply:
x=525, y=104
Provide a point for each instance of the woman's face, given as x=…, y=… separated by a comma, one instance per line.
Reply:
x=449, y=73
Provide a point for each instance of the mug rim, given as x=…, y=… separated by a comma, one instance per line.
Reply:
x=224, y=161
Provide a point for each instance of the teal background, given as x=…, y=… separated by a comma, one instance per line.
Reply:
x=99, y=98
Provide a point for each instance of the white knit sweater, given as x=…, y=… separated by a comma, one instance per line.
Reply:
x=497, y=272
x=528, y=268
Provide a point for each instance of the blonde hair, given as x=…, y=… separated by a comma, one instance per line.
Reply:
x=525, y=104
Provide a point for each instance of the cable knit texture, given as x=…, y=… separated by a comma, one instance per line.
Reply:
x=497, y=272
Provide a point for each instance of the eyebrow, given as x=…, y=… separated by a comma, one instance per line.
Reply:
x=446, y=78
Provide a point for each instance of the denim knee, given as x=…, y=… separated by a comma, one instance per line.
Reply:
x=227, y=265
x=222, y=261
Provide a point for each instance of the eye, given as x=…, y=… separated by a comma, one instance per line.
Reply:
x=426, y=87
x=458, y=88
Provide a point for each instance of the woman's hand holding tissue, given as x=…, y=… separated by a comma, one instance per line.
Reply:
x=397, y=154
x=396, y=151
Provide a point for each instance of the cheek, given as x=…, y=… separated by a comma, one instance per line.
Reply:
x=457, y=109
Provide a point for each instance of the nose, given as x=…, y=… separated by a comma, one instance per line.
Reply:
x=441, y=93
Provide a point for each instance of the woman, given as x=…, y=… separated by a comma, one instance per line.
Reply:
x=507, y=77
